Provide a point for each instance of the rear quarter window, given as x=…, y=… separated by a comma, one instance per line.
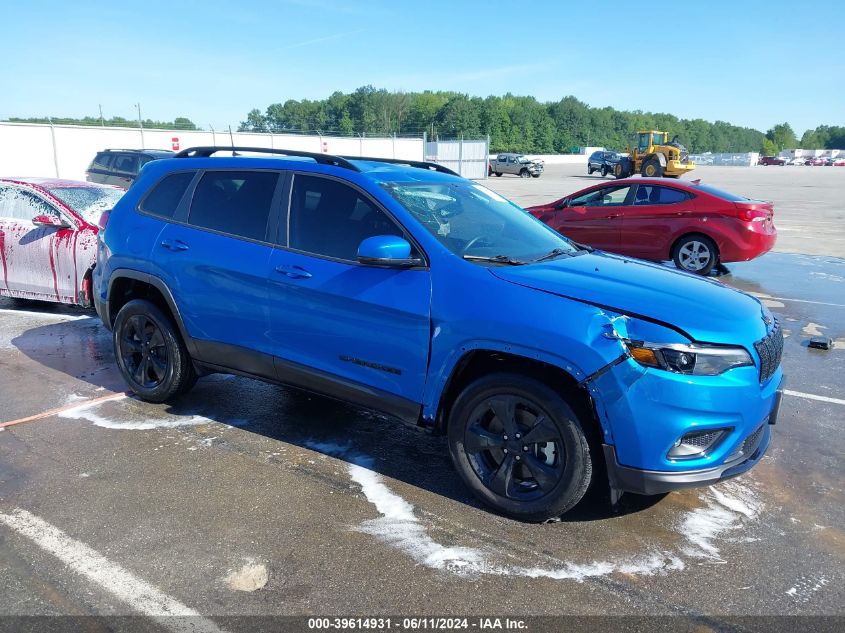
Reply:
x=103, y=161
x=164, y=198
x=667, y=195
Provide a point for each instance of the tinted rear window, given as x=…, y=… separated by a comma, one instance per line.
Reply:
x=127, y=163
x=165, y=196
x=103, y=160
x=234, y=202
x=724, y=195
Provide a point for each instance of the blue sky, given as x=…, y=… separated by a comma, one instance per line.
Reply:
x=747, y=62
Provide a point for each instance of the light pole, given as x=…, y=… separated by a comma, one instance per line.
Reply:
x=140, y=124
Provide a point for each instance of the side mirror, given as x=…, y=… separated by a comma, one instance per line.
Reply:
x=562, y=204
x=50, y=220
x=387, y=250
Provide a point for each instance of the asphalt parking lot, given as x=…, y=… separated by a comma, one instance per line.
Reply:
x=245, y=498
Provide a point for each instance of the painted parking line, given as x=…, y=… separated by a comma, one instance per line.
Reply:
x=818, y=303
x=812, y=396
x=66, y=408
x=46, y=315
x=138, y=594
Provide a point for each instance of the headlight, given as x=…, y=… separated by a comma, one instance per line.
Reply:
x=698, y=360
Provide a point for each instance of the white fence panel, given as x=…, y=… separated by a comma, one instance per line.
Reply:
x=65, y=151
x=466, y=157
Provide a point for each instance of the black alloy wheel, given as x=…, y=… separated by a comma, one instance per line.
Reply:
x=150, y=352
x=519, y=447
x=143, y=352
x=514, y=449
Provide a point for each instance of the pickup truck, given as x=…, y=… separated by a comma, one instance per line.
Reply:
x=516, y=164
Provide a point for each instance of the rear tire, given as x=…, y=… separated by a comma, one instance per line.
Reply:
x=498, y=174
x=696, y=254
x=590, y=170
x=150, y=353
x=519, y=447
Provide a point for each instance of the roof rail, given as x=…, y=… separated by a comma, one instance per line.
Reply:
x=421, y=164
x=126, y=149
x=323, y=159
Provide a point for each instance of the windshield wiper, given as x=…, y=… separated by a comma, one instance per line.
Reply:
x=583, y=247
x=496, y=259
x=552, y=254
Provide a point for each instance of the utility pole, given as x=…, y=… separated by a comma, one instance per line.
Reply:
x=102, y=122
x=140, y=124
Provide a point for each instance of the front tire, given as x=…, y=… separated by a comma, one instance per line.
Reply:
x=603, y=171
x=498, y=174
x=150, y=353
x=519, y=447
x=696, y=254
x=652, y=169
x=524, y=174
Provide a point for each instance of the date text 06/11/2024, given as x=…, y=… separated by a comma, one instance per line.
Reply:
x=416, y=624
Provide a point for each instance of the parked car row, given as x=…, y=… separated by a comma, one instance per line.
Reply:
x=816, y=161
x=541, y=359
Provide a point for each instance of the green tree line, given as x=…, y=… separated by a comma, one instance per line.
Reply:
x=514, y=123
x=179, y=123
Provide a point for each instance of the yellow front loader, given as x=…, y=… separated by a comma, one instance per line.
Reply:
x=655, y=156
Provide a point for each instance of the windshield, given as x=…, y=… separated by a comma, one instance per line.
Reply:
x=472, y=221
x=89, y=202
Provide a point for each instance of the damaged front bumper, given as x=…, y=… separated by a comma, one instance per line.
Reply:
x=647, y=412
x=655, y=482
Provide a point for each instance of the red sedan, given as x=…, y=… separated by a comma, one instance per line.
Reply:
x=48, y=237
x=696, y=225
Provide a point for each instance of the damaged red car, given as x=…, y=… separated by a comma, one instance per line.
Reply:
x=48, y=237
x=695, y=225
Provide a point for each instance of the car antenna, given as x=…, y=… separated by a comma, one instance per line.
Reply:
x=232, y=141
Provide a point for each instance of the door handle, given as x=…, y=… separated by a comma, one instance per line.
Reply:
x=175, y=245
x=294, y=272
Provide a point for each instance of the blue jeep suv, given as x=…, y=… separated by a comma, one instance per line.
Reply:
x=399, y=286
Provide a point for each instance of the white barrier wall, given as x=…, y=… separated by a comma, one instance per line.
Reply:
x=65, y=151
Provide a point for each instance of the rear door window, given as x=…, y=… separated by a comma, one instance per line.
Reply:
x=164, y=199
x=234, y=202
x=654, y=194
x=126, y=163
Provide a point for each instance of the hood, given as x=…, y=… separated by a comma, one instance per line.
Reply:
x=706, y=311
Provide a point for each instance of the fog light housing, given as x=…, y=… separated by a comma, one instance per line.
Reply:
x=696, y=443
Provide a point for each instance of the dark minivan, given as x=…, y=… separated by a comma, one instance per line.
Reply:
x=120, y=167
